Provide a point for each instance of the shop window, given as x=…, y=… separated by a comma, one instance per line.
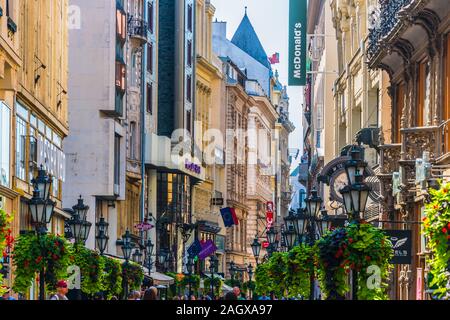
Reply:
x=21, y=134
x=5, y=136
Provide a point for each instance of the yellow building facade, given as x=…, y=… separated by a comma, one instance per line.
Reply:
x=33, y=114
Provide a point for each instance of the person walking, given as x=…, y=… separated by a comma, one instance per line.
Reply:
x=237, y=293
x=230, y=296
x=151, y=294
x=61, y=291
x=7, y=295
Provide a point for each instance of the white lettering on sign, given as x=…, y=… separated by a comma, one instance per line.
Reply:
x=298, y=50
x=51, y=158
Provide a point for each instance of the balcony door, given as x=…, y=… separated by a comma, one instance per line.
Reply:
x=446, y=93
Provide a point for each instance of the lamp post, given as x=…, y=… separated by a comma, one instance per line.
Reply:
x=149, y=246
x=162, y=257
x=213, y=264
x=355, y=195
x=250, y=275
x=102, y=235
x=271, y=237
x=137, y=256
x=127, y=246
x=79, y=226
x=41, y=209
x=289, y=237
x=256, y=248
x=190, y=271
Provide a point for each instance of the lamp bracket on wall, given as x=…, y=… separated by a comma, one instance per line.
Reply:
x=41, y=66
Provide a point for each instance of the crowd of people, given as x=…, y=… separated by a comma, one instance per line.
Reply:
x=151, y=293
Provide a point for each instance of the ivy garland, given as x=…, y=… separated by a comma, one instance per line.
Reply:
x=134, y=274
x=193, y=279
x=6, y=239
x=112, y=278
x=277, y=273
x=263, y=282
x=437, y=229
x=360, y=247
x=299, y=267
x=217, y=282
x=33, y=253
x=91, y=266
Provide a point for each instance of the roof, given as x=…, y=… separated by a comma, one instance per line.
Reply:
x=247, y=40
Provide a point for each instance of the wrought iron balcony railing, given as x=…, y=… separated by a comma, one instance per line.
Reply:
x=388, y=20
x=389, y=158
x=138, y=28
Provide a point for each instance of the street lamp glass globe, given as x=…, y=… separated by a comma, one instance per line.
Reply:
x=313, y=204
x=271, y=235
x=256, y=247
x=42, y=183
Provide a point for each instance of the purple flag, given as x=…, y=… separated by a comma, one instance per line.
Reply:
x=208, y=248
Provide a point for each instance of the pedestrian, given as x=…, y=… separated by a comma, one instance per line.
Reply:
x=61, y=291
x=237, y=293
x=114, y=298
x=130, y=296
x=151, y=294
x=264, y=297
x=7, y=295
x=193, y=297
x=230, y=295
x=175, y=298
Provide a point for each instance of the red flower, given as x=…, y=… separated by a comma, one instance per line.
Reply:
x=448, y=237
x=350, y=240
x=368, y=258
x=26, y=263
x=444, y=190
x=448, y=225
x=39, y=259
x=435, y=207
x=444, y=230
x=352, y=266
x=55, y=257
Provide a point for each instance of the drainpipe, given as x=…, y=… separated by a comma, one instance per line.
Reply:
x=143, y=101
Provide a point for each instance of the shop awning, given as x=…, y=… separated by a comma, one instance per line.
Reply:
x=161, y=279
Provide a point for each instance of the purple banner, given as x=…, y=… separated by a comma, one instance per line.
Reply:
x=208, y=248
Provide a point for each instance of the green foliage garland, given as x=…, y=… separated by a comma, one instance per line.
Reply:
x=360, y=247
x=262, y=280
x=112, y=279
x=277, y=273
x=437, y=229
x=299, y=267
x=217, y=285
x=134, y=274
x=91, y=266
x=32, y=253
x=6, y=239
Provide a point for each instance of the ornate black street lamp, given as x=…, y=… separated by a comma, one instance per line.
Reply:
x=190, y=271
x=41, y=210
x=250, y=275
x=232, y=269
x=127, y=247
x=289, y=237
x=79, y=226
x=102, y=235
x=256, y=248
x=149, y=246
x=137, y=256
x=355, y=196
x=213, y=267
x=271, y=235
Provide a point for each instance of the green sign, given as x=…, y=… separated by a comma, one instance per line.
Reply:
x=297, y=42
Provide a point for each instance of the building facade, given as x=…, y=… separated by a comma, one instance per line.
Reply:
x=33, y=107
x=409, y=40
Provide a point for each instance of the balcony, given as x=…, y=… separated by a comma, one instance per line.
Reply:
x=389, y=158
x=400, y=27
x=138, y=30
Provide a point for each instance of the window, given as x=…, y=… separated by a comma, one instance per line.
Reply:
x=150, y=16
x=189, y=17
x=8, y=8
x=150, y=58
x=21, y=135
x=188, y=121
x=120, y=76
x=134, y=69
x=422, y=95
x=121, y=25
x=133, y=140
x=5, y=136
x=117, y=160
x=189, y=88
x=150, y=98
x=189, y=53
x=398, y=112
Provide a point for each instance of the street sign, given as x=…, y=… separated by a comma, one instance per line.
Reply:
x=297, y=42
x=217, y=201
x=401, y=244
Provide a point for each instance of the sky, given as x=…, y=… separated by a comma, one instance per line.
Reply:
x=270, y=19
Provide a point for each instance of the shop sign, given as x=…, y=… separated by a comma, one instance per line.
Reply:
x=401, y=244
x=51, y=158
